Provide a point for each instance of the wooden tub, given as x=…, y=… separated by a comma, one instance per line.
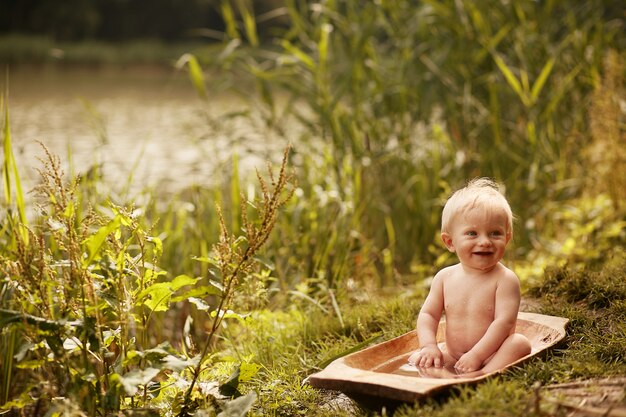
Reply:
x=381, y=370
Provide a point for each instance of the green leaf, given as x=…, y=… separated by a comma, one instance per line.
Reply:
x=511, y=79
x=323, y=44
x=136, y=378
x=200, y=304
x=238, y=407
x=265, y=262
x=24, y=400
x=157, y=296
x=249, y=24
x=248, y=371
x=541, y=80
x=69, y=210
x=177, y=364
x=32, y=364
x=10, y=171
x=158, y=245
x=230, y=315
x=230, y=387
x=229, y=19
x=182, y=280
x=94, y=242
x=200, y=292
x=195, y=73
x=299, y=54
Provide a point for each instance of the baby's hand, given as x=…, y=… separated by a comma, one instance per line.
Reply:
x=468, y=363
x=427, y=357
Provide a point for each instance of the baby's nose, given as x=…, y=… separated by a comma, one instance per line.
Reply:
x=484, y=241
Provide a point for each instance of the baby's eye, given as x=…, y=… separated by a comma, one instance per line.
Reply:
x=470, y=233
x=496, y=233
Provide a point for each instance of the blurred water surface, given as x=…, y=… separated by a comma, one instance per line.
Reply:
x=140, y=126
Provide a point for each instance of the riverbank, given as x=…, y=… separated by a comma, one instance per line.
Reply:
x=31, y=50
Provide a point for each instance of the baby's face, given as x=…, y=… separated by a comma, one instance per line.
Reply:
x=479, y=238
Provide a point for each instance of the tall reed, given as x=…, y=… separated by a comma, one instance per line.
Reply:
x=418, y=98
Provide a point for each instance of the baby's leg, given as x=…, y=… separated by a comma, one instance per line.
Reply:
x=514, y=347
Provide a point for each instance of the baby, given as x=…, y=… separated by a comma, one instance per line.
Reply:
x=479, y=295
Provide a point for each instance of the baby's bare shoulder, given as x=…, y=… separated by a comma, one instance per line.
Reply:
x=507, y=276
x=447, y=272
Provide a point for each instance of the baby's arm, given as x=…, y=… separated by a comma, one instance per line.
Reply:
x=505, y=318
x=429, y=353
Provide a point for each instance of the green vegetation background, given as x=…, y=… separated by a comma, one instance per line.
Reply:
x=174, y=306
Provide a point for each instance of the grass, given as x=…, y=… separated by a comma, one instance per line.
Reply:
x=594, y=347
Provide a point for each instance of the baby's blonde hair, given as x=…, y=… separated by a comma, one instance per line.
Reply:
x=481, y=193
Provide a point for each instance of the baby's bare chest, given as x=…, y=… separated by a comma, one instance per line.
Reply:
x=470, y=298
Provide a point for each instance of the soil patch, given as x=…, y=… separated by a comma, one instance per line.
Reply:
x=591, y=397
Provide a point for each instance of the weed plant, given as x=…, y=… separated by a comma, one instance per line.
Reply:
x=82, y=289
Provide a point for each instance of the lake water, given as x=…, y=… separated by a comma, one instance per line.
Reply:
x=148, y=124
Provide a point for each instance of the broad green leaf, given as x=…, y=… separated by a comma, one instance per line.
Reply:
x=32, y=364
x=24, y=400
x=199, y=292
x=182, y=280
x=136, y=378
x=265, y=262
x=177, y=364
x=72, y=343
x=94, y=242
x=248, y=371
x=150, y=274
x=200, y=304
x=158, y=296
x=158, y=245
x=230, y=387
x=230, y=315
x=238, y=407
x=205, y=260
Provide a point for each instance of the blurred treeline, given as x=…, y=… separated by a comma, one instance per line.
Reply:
x=119, y=20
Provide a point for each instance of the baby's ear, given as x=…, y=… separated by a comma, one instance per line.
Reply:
x=447, y=240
